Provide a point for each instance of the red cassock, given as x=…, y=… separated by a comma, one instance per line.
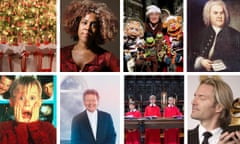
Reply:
x=38, y=132
x=171, y=135
x=133, y=136
x=152, y=136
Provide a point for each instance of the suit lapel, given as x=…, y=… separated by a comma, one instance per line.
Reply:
x=193, y=136
x=88, y=127
x=99, y=125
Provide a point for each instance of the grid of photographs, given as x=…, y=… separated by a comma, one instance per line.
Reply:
x=119, y=72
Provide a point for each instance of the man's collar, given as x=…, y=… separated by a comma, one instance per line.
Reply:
x=152, y=105
x=216, y=29
x=91, y=113
x=134, y=110
x=201, y=130
x=170, y=105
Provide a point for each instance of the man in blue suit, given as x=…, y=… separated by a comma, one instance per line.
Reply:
x=92, y=126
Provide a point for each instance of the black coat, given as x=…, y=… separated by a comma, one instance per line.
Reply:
x=193, y=136
x=227, y=47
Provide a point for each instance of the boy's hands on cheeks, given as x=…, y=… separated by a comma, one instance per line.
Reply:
x=230, y=138
x=18, y=113
x=35, y=112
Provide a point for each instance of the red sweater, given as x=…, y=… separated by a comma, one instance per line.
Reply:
x=171, y=111
x=39, y=132
x=171, y=135
x=152, y=136
x=133, y=136
x=152, y=111
x=135, y=114
x=103, y=62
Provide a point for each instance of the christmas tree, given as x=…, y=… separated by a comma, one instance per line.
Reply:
x=28, y=21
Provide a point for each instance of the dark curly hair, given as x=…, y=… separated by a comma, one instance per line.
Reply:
x=108, y=23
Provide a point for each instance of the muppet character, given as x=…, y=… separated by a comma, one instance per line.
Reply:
x=131, y=64
x=151, y=53
x=163, y=48
x=140, y=61
x=133, y=41
x=133, y=31
x=173, y=26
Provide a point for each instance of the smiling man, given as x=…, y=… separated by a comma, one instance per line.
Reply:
x=211, y=106
x=25, y=98
x=92, y=126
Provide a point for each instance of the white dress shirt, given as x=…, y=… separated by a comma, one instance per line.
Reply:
x=92, y=117
x=216, y=133
x=217, y=30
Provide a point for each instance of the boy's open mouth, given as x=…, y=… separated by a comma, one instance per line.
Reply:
x=27, y=115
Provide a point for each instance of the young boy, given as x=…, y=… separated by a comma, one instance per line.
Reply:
x=25, y=98
x=152, y=136
x=132, y=135
x=171, y=135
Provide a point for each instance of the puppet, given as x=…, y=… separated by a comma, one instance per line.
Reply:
x=173, y=26
x=133, y=41
x=151, y=53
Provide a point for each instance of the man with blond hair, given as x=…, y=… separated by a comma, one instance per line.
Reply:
x=211, y=106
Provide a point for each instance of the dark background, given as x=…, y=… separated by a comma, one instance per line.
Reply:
x=137, y=8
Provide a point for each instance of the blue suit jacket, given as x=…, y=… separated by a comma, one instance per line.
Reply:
x=82, y=132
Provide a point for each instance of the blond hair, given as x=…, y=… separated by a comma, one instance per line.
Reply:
x=223, y=95
x=153, y=97
x=25, y=81
x=130, y=20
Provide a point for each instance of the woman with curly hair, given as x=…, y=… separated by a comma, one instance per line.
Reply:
x=90, y=24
